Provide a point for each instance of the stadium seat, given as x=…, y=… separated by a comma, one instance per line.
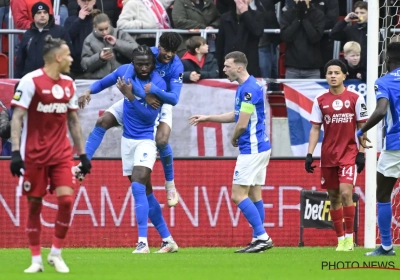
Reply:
x=278, y=105
x=3, y=66
x=4, y=41
x=281, y=66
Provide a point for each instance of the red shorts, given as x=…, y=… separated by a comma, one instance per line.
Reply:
x=37, y=179
x=331, y=177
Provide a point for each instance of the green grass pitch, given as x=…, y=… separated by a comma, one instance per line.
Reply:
x=197, y=263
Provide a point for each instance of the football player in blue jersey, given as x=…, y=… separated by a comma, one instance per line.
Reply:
x=254, y=146
x=170, y=68
x=138, y=148
x=387, y=89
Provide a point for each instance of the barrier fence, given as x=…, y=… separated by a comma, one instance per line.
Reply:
x=103, y=213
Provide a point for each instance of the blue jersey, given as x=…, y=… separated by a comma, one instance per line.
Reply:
x=139, y=118
x=388, y=87
x=254, y=140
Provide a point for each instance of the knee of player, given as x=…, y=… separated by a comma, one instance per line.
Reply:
x=346, y=195
x=161, y=142
x=106, y=121
x=236, y=198
x=65, y=203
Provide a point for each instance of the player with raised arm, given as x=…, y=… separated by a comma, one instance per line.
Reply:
x=44, y=102
x=254, y=146
x=138, y=149
x=341, y=111
x=170, y=68
x=387, y=89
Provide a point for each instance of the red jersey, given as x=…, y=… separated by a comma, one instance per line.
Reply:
x=44, y=139
x=339, y=115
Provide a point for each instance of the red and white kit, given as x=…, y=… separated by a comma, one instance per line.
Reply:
x=45, y=146
x=339, y=115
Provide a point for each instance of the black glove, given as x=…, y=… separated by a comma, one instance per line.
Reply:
x=309, y=160
x=360, y=161
x=16, y=164
x=301, y=10
x=86, y=165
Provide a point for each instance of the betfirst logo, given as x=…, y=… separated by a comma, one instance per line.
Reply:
x=317, y=211
x=52, y=108
x=339, y=118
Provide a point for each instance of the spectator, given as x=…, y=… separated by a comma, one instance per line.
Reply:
x=197, y=62
x=268, y=42
x=195, y=14
x=22, y=12
x=109, y=7
x=302, y=27
x=352, y=51
x=144, y=14
x=357, y=32
x=96, y=60
x=29, y=56
x=4, y=11
x=63, y=11
x=5, y=128
x=223, y=6
x=240, y=30
x=79, y=26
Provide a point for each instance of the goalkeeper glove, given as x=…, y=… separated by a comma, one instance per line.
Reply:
x=309, y=161
x=16, y=164
x=85, y=164
x=360, y=162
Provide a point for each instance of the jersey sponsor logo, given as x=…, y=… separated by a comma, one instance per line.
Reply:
x=337, y=104
x=327, y=119
x=342, y=118
x=17, y=95
x=347, y=104
x=27, y=186
x=52, y=108
x=67, y=92
x=247, y=96
x=57, y=91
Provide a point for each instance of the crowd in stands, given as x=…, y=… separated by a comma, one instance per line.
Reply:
x=94, y=30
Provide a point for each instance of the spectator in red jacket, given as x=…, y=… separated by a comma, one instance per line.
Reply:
x=21, y=11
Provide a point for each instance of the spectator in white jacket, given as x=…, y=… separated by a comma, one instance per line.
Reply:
x=106, y=48
x=144, y=14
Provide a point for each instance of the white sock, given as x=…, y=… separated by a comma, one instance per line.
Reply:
x=387, y=248
x=55, y=251
x=37, y=259
x=348, y=235
x=170, y=184
x=263, y=236
x=143, y=239
x=168, y=239
x=340, y=238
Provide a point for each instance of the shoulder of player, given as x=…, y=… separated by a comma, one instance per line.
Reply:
x=354, y=94
x=31, y=77
x=65, y=77
x=321, y=95
x=177, y=64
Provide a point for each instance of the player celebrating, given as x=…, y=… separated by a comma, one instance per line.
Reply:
x=387, y=90
x=170, y=69
x=254, y=146
x=43, y=102
x=138, y=149
x=339, y=110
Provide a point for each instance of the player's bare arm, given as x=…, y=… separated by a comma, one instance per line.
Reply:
x=240, y=127
x=16, y=126
x=74, y=127
x=314, y=136
x=223, y=118
x=84, y=99
x=361, y=149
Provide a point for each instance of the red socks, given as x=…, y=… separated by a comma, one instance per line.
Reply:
x=34, y=227
x=337, y=219
x=348, y=214
x=63, y=219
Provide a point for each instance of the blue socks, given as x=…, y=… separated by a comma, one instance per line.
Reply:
x=167, y=161
x=94, y=140
x=141, y=207
x=156, y=216
x=260, y=207
x=251, y=214
x=385, y=222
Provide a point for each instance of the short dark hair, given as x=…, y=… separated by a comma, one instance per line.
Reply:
x=336, y=62
x=238, y=57
x=361, y=5
x=194, y=42
x=141, y=51
x=393, y=52
x=51, y=44
x=170, y=41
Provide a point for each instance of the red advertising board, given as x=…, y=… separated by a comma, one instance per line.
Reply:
x=103, y=213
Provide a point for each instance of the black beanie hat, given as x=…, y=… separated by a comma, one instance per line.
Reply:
x=38, y=7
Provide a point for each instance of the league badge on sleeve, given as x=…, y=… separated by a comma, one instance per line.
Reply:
x=17, y=95
x=180, y=77
x=247, y=96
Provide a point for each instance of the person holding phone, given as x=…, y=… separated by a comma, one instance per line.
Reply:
x=106, y=48
x=197, y=62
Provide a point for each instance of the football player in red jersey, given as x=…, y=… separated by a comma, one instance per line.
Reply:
x=341, y=111
x=44, y=102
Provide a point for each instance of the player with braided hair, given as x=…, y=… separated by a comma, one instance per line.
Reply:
x=170, y=68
